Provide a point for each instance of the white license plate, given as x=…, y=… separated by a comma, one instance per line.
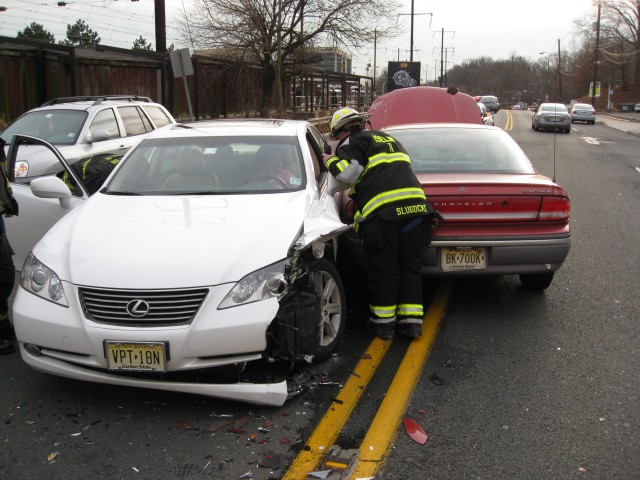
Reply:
x=135, y=357
x=457, y=259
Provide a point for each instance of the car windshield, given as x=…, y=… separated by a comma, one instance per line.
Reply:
x=59, y=127
x=468, y=150
x=210, y=165
x=553, y=107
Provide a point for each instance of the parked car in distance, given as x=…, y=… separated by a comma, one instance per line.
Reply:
x=487, y=116
x=583, y=112
x=551, y=116
x=82, y=127
x=636, y=108
x=491, y=102
x=210, y=245
x=501, y=217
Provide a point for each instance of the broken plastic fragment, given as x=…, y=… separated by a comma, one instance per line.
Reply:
x=135, y=469
x=285, y=440
x=241, y=422
x=270, y=461
x=415, y=431
x=183, y=425
x=53, y=456
x=366, y=356
x=249, y=474
x=422, y=410
x=215, y=426
x=239, y=431
x=319, y=474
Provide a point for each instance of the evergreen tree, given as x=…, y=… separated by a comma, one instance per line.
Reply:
x=80, y=35
x=36, y=31
x=141, y=44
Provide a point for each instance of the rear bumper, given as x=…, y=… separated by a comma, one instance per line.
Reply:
x=503, y=257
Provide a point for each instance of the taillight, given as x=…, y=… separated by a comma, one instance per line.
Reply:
x=555, y=208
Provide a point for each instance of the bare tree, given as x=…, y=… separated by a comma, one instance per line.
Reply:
x=272, y=33
x=619, y=31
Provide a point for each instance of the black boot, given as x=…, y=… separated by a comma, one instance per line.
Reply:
x=6, y=347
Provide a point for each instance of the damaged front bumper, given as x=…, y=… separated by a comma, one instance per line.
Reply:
x=268, y=394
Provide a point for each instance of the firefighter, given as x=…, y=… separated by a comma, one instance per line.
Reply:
x=392, y=218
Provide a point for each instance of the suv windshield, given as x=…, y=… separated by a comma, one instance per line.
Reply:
x=59, y=127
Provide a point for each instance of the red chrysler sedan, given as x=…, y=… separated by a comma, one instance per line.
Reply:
x=501, y=217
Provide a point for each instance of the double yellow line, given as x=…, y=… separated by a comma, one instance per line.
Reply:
x=509, y=125
x=385, y=424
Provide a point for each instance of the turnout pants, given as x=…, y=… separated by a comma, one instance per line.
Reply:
x=394, y=281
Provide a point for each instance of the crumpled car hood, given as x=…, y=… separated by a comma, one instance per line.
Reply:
x=172, y=242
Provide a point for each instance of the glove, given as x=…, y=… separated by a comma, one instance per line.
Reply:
x=350, y=174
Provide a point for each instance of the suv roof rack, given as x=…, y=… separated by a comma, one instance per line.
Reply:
x=97, y=99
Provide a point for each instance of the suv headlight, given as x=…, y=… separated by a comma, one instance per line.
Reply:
x=265, y=283
x=42, y=281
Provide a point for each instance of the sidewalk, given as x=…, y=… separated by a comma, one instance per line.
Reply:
x=626, y=122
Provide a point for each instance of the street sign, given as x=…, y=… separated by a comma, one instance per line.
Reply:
x=181, y=63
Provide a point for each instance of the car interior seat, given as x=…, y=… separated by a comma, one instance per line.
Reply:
x=190, y=173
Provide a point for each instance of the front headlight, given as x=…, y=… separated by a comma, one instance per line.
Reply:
x=42, y=281
x=265, y=283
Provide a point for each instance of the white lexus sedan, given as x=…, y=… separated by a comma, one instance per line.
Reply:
x=210, y=245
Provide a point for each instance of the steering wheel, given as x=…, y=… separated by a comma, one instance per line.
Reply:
x=266, y=176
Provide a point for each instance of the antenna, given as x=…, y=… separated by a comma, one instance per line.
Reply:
x=555, y=135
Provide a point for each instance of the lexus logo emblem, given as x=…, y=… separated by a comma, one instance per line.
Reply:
x=463, y=189
x=138, y=308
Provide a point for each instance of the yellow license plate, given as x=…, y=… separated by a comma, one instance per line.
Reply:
x=459, y=259
x=135, y=357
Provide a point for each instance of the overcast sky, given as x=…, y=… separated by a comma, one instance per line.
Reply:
x=472, y=28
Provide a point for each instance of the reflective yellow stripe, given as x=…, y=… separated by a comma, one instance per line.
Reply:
x=386, y=311
x=410, y=310
x=385, y=157
x=339, y=164
x=389, y=197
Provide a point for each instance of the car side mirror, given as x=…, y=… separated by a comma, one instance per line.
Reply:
x=52, y=187
x=97, y=136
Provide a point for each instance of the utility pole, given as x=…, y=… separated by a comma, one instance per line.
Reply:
x=375, y=42
x=595, y=60
x=442, y=58
x=411, y=40
x=559, y=72
x=161, y=30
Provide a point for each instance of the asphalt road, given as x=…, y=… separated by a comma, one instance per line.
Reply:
x=533, y=385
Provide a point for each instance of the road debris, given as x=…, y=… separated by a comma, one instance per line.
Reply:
x=337, y=464
x=415, y=431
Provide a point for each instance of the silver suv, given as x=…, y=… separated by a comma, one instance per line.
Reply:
x=81, y=127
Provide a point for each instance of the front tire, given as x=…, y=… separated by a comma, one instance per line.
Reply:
x=536, y=281
x=330, y=323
